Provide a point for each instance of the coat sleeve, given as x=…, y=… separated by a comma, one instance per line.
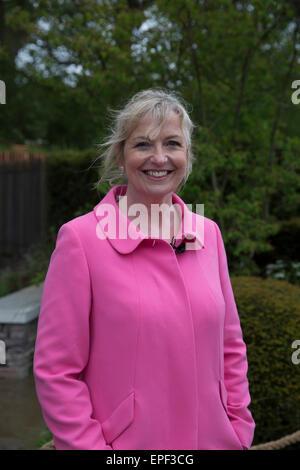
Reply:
x=235, y=358
x=62, y=348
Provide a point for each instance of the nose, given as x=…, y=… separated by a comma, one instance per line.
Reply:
x=159, y=156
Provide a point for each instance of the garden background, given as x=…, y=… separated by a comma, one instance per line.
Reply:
x=235, y=63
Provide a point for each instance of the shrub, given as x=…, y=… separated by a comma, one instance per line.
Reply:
x=44, y=437
x=70, y=176
x=30, y=268
x=269, y=311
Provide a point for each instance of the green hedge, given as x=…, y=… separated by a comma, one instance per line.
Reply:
x=270, y=317
x=70, y=176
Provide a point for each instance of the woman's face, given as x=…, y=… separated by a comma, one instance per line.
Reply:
x=155, y=168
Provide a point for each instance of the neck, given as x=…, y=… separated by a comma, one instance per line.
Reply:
x=163, y=224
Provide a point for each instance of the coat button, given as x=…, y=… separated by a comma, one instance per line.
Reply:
x=189, y=236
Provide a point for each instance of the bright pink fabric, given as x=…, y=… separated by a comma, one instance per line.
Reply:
x=139, y=347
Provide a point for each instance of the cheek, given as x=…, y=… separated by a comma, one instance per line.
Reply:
x=133, y=162
x=182, y=162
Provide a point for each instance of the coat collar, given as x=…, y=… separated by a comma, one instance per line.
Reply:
x=125, y=236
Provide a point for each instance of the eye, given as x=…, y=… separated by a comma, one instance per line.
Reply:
x=174, y=143
x=142, y=144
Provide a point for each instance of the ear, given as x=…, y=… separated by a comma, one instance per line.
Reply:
x=120, y=163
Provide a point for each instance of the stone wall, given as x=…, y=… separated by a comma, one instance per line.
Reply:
x=19, y=340
x=18, y=326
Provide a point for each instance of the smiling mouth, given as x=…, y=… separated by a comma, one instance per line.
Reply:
x=157, y=173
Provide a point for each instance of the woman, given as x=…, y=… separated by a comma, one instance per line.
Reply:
x=139, y=343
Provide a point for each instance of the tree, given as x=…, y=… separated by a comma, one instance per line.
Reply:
x=233, y=61
x=236, y=61
x=92, y=37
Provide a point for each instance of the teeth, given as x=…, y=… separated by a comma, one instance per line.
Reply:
x=158, y=174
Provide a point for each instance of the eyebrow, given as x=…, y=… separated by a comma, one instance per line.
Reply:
x=168, y=137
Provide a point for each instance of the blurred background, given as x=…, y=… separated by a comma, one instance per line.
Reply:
x=63, y=66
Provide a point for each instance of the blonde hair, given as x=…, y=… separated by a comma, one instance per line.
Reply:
x=156, y=101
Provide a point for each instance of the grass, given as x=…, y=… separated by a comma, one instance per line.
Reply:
x=44, y=437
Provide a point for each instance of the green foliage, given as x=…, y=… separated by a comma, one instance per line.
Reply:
x=44, y=437
x=29, y=269
x=232, y=62
x=71, y=178
x=284, y=270
x=269, y=311
x=282, y=259
x=285, y=241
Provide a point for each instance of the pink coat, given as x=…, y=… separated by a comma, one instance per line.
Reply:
x=139, y=347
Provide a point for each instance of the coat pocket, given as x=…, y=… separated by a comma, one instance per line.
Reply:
x=223, y=396
x=119, y=420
